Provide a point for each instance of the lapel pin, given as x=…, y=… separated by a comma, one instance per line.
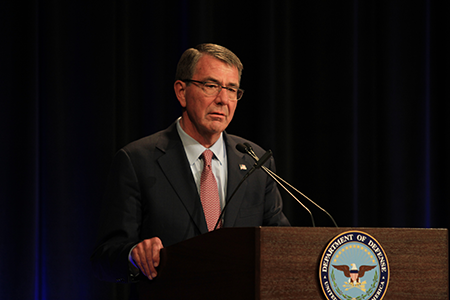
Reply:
x=242, y=167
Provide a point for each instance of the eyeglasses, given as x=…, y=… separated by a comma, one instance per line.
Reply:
x=213, y=89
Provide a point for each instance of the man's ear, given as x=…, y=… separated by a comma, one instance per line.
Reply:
x=180, y=91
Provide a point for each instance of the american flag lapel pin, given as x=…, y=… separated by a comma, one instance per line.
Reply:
x=242, y=167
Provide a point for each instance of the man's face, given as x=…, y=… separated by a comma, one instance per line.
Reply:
x=207, y=116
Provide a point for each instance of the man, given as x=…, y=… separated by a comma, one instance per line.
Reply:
x=154, y=196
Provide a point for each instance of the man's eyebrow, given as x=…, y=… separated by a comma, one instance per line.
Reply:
x=211, y=79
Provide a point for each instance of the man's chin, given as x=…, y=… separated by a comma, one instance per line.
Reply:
x=219, y=123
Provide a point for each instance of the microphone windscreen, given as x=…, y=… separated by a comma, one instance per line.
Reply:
x=241, y=148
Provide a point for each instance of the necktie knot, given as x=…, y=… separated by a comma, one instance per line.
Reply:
x=207, y=157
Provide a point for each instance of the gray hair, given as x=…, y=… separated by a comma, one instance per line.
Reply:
x=188, y=61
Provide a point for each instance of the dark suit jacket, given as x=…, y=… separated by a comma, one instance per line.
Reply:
x=151, y=192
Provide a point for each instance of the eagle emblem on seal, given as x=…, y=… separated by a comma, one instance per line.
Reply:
x=354, y=274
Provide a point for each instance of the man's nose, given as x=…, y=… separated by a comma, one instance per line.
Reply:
x=222, y=97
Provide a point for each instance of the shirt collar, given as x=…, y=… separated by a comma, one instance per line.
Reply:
x=194, y=149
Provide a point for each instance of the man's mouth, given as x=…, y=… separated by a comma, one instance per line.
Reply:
x=217, y=114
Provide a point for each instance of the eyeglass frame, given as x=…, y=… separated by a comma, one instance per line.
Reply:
x=221, y=87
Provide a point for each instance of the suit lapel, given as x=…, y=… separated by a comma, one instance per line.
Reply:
x=176, y=167
x=235, y=173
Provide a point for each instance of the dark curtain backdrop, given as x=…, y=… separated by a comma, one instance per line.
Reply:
x=351, y=96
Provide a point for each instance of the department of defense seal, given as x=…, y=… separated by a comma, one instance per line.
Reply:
x=354, y=266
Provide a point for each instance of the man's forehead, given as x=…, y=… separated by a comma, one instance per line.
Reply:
x=216, y=70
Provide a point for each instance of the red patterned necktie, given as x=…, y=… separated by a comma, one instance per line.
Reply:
x=209, y=193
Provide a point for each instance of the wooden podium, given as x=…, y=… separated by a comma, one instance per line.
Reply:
x=283, y=263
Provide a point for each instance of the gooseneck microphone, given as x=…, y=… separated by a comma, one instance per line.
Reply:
x=249, y=150
x=259, y=163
